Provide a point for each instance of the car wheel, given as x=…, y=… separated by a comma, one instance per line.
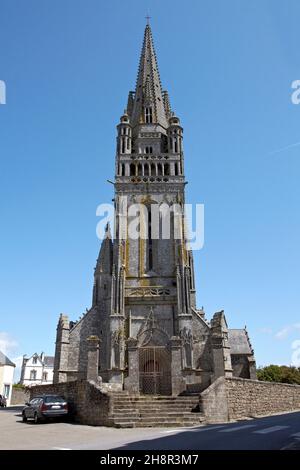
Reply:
x=24, y=418
x=36, y=418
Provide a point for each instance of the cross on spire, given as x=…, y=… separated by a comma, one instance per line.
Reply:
x=148, y=18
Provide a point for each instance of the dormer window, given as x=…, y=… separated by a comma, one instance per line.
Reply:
x=34, y=360
x=148, y=115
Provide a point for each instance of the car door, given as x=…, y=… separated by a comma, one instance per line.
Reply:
x=30, y=410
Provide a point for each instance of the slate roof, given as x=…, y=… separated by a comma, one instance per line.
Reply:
x=49, y=361
x=239, y=342
x=4, y=361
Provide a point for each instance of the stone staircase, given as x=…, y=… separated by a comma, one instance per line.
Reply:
x=130, y=411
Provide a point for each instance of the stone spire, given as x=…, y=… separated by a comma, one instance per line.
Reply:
x=148, y=93
x=104, y=261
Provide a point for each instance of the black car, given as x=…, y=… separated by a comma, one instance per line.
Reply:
x=45, y=407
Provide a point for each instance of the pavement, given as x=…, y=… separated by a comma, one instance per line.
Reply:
x=268, y=433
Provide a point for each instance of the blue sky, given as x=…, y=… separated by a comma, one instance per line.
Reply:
x=228, y=66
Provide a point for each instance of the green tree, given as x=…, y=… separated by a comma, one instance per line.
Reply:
x=283, y=374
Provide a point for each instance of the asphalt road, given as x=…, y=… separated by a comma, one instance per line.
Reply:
x=275, y=432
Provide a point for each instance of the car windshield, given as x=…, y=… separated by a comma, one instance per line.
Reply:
x=54, y=399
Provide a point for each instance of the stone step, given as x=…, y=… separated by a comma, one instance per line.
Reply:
x=156, y=424
x=154, y=412
x=155, y=403
x=166, y=424
x=155, y=397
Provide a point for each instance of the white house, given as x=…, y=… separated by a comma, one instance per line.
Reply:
x=37, y=370
x=7, y=368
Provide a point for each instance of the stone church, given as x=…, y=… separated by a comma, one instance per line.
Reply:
x=144, y=332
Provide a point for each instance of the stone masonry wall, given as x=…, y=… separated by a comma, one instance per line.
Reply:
x=213, y=402
x=19, y=396
x=235, y=398
x=254, y=398
x=90, y=405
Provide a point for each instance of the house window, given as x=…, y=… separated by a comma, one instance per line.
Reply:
x=6, y=390
x=33, y=375
x=34, y=360
x=148, y=115
x=45, y=376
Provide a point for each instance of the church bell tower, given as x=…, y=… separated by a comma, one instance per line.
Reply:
x=152, y=287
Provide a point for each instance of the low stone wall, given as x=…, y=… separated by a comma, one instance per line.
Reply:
x=89, y=404
x=19, y=396
x=255, y=398
x=235, y=398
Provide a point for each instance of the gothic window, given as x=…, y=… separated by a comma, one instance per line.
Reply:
x=146, y=170
x=159, y=169
x=150, y=245
x=33, y=375
x=148, y=115
x=153, y=172
x=123, y=145
x=176, y=169
x=123, y=170
x=167, y=169
x=34, y=360
x=140, y=169
x=175, y=145
x=128, y=144
x=132, y=169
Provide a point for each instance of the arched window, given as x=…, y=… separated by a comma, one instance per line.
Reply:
x=153, y=170
x=176, y=169
x=132, y=169
x=140, y=170
x=123, y=145
x=146, y=169
x=175, y=145
x=159, y=169
x=167, y=169
x=150, y=244
x=122, y=169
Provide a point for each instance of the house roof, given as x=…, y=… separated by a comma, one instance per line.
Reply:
x=49, y=361
x=239, y=342
x=4, y=361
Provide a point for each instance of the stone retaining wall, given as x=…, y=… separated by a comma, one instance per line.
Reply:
x=235, y=398
x=254, y=398
x=89, y=404
x=19, y=396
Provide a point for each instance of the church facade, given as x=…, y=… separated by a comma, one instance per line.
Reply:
x=144, y=332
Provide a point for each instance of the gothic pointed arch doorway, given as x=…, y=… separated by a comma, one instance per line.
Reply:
x=155, y=370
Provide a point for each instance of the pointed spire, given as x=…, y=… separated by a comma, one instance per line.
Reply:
x=104, y=261
x=148, y=92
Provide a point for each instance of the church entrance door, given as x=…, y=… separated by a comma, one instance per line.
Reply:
x=155, y=370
